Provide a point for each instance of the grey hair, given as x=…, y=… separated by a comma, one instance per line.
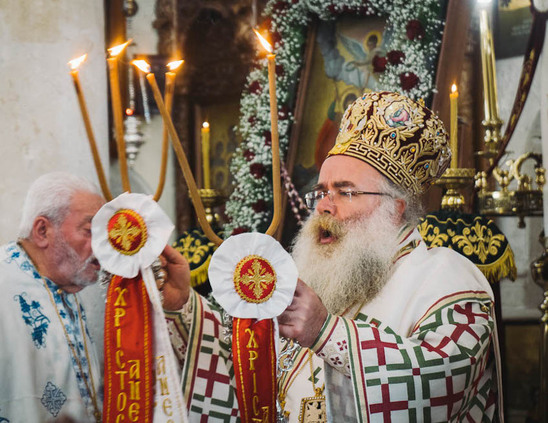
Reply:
x=50, y=196
x=413, y=206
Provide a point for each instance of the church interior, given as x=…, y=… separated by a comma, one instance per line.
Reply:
x=477, y=63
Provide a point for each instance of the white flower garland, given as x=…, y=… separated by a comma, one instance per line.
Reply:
x=415, y=29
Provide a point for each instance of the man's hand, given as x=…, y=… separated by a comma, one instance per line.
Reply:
x=304, y=317
x=177, y=286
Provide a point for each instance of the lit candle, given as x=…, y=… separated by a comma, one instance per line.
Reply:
x=276, y=182
x=170, y=84
x=117, y=111
x=454, y=143
x=205, y=154
x=168, y=101
x=179, y=152
x=74, y=64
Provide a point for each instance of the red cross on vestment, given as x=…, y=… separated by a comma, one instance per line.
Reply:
x=379, y=345
x=386, y=407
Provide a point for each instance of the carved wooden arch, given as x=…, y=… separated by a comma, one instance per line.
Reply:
x=215, y=67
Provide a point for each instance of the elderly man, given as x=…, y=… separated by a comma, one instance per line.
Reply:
x=48, y=366
x=386, y=329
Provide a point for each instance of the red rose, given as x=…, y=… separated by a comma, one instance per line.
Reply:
x=408, y=80
x=249, y=155
x=280, y=6
x=267, y=138
x=259, y=206
x=414, y=30
x=239, y=230
x=255, y=87
x=395, y=57
x=280, y=70
x=379, y=64
x=257, y=170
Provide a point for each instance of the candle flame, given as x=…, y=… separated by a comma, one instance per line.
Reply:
x=129, y=112
x=116, y=50
x=454, y=88
x=205, y=125
x=263, y=41
x=74, y=63
x=141, y=64
x=175, y=65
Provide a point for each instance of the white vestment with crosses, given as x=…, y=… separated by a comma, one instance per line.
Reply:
x=422, y=350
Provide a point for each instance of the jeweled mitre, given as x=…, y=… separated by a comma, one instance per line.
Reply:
x=401, y=138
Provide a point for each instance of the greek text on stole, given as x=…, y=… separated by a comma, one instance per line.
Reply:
x=163, y=388
x=252, y=347
x=129, y=372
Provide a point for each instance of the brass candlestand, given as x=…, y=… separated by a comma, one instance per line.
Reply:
x=523, y=201
x=452, y=180
x=492, y=122
x=491, y=139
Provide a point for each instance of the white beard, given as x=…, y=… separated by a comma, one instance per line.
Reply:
x=72, y=266
x=354, y=267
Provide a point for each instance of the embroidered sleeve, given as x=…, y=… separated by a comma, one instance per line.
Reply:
x=200, y=334
x=178, y=324
x=332, y=346
x=199, y=316
x=439, y=373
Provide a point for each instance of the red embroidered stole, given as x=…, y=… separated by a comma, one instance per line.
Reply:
x=128, y=352
x=254, y=354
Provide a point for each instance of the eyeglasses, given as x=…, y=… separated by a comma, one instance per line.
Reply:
x=341, y=196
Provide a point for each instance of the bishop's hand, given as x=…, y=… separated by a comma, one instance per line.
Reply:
x=176, y=288
x=303, y=319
